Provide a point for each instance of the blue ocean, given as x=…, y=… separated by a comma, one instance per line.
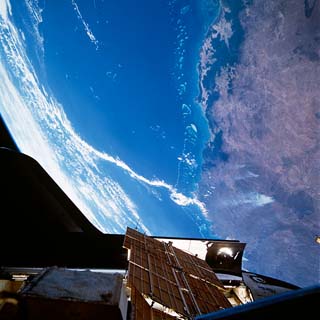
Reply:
x=115, y=97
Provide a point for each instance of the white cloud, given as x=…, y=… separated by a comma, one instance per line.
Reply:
x=175, y=196
x=35, y=12
x=261, y=200
x=194, y=127
x=252, y=198
x=85, y=25
x=5, y=8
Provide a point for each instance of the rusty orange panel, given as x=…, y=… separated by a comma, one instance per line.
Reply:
x=130, y=242
x=142, y=311
x=159, y=315
x=136, y=238
x=160, y=267
x=139, y=278
x=139, y=257
x=193, y=265
x=140, y=308
x=208, y=297
x=168, y=295
x=163, y=272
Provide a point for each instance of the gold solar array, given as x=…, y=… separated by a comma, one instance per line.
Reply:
x=171, y=277
x=141, y=309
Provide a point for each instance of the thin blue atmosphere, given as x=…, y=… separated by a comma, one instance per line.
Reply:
x=114, y=97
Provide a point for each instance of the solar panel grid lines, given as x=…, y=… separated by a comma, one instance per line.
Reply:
x=194, y=265
x=139, y=278
x=194, y=304
x=162, y=271
x=156, y=266
x=171, y=277
x=141, y=309
x=158, y=315
x=164, y=291
x=208, y=297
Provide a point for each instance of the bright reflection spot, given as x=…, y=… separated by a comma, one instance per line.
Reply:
x=225, y=250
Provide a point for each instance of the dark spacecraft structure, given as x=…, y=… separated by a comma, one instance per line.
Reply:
x=55, y=264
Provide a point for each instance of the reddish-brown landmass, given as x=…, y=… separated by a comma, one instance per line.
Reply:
x=265, y=190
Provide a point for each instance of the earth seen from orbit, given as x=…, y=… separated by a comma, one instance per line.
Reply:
x=180, y=118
